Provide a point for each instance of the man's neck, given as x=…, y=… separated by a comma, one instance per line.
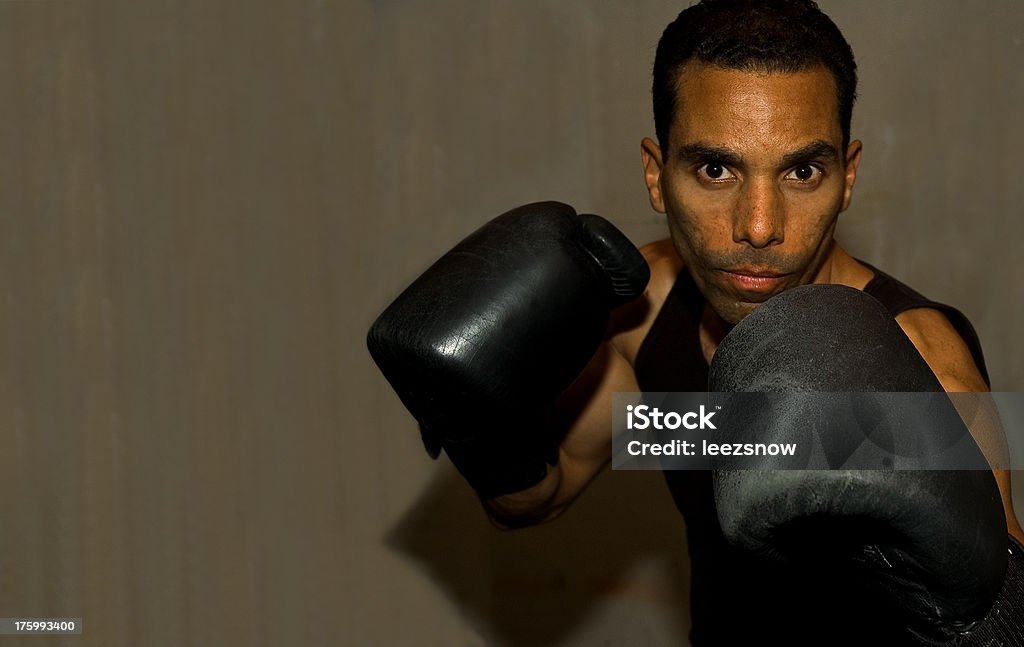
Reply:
x=711, y=331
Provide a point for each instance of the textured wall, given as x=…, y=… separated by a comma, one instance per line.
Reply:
x=203, y=206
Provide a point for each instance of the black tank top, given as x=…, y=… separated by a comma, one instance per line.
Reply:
x=732, y=601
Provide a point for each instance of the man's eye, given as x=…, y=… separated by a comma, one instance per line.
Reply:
x=804, y=173
x=713, y=171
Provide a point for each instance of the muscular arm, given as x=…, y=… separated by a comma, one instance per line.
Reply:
x=585, y=408
x=951, y=361
x=585, y=411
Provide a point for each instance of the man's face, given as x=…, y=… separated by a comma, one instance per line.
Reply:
x=753, y=181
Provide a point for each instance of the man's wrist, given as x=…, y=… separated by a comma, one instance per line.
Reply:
x=528, y=507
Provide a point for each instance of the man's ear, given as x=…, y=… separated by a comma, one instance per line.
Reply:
x=650, y=155
x=852, y=163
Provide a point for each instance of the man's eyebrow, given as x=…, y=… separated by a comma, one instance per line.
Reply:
x=707, y=153
x=816, y=150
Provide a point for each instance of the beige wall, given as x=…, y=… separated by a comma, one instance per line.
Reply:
x=203, y=206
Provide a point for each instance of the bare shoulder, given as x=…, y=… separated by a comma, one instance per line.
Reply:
x=932, y=334
x=632, y=322
x=942, y=348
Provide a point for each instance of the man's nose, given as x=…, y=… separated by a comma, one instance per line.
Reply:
x=759, y=220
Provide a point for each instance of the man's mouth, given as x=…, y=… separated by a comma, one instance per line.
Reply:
x=753, y=282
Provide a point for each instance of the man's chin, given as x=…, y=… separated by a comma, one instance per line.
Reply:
x=732, y=312
x=733, y=307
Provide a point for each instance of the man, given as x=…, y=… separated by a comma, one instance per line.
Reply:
x=752, y=167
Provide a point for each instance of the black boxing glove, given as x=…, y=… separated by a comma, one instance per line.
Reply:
x=481, y=344
x=925, y=550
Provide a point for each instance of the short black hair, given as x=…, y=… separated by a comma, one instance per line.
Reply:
x=757, y=36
